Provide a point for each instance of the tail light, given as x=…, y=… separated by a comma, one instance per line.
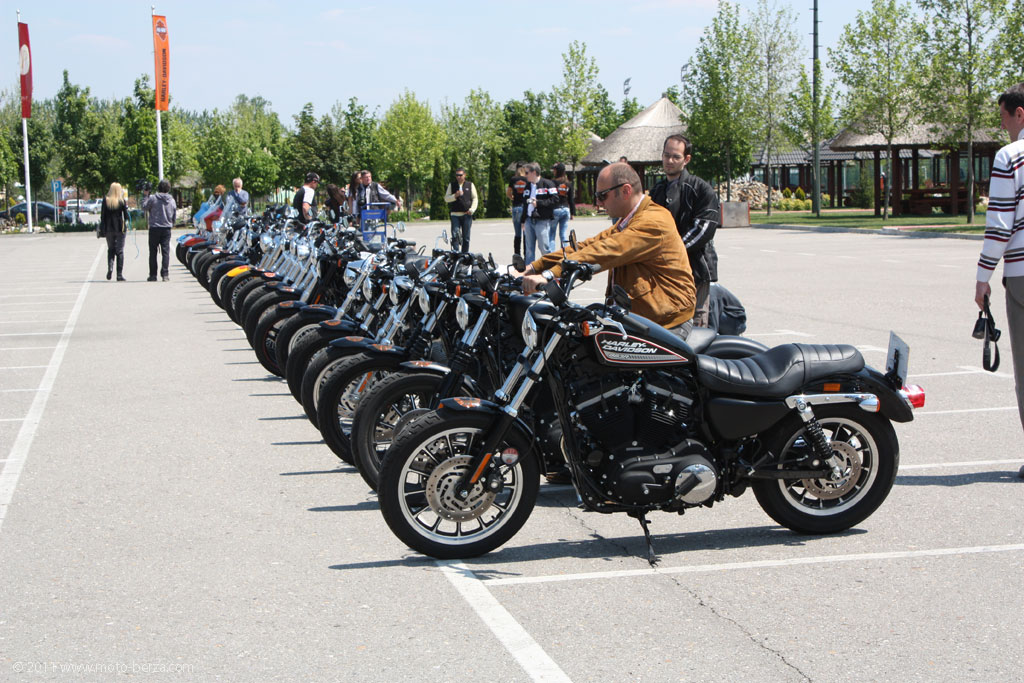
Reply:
x=914, y=395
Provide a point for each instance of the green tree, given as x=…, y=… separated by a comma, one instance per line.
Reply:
x=137, y=160
x=438, y=185
x=718, y=96
x=674, y=95
x=497, y=201
x=410, y=140
x=879, y=61
x=361, y=125
x=963, y=49
x=316, y=145
x=532, y=130
x=630, y=108
x=606, y=116
x=800, y=125
x=775, y=60
x=77, y=129
x=574, y=100
x=1008, y=45
x=473, y=131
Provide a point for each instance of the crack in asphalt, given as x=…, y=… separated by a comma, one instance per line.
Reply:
x=750, y=636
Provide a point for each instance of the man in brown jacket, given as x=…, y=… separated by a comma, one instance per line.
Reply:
x=642, y=250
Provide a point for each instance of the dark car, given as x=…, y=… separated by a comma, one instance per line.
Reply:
x=41, y=211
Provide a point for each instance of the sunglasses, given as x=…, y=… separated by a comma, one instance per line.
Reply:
x=603, y=194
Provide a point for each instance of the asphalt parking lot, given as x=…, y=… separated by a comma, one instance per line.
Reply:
x=167, y=512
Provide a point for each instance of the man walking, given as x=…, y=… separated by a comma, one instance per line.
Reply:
x=161, y=211
x=541, y=200
x=1004, y=231
x=694, y=206
x=462, y=200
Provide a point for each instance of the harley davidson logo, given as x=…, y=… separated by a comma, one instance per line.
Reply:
x=614, y=349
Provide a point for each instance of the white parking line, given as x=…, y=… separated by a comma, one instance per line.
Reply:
x=11, y=419
x=11, y=391
x=27, y=334
x=35, y=303
x=21, y=367
x=779, y=333
x=962, y=410
x=520, y=644
x=867, y=347
x=944, y=374
x=757, y=564
x=25, y=348
x=21, y=322
x=1004, y=375
x=968, y=463
x=27, y=433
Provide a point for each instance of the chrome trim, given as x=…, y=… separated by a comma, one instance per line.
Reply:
x=800, y=402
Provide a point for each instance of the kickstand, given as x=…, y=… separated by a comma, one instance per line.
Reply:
x=652, y=557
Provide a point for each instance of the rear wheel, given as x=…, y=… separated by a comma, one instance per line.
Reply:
x=865, y=458
x=267, y=334
x=417, y=490
x=390, y=405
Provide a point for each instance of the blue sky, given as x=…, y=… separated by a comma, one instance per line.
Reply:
x=292, y=53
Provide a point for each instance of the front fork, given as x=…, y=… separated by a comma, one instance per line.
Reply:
x=484, y=460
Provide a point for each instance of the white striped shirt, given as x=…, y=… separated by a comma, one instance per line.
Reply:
x=1004, y=221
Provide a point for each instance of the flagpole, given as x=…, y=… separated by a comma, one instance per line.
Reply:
x=28, y=185
x=159, y=128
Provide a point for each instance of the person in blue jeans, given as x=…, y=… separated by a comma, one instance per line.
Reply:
x=541, y=199
x=516, y=192
x=462, y=201
x=566, y=208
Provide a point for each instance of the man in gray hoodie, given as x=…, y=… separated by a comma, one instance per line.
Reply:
x=160, y=212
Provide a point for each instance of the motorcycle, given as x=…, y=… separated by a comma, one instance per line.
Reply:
x=649, y=425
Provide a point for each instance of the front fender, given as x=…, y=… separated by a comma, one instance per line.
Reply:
x=426, y=366
x=367, y=346
x=462, y=404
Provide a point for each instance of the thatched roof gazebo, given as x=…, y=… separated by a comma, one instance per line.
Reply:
x=922, y=137
x=640, y=139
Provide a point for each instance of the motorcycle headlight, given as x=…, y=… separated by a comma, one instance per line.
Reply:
x=267, y=241
x=424, y=300
x=393, y=293
x=302, y=251
x=529, y=330
x=462, y=314
x=367, y=289
x=350, y=277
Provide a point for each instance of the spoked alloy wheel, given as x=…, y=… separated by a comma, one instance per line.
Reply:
x=418, y=486
x=340, y=393
x=865, y=458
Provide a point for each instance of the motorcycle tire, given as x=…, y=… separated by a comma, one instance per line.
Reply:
x=241, y=295
x=228, y=285
x=203, y=264
x=342, y=390
x=218, y=277
x=258, y=297
x=266, y=336
x=320, y=366
x=420, y=471
x=386, y=407
x=289, y=332
x=257, y=307
x=304, y=348
x=866, y=450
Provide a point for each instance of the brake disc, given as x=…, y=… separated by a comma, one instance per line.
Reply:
x=847, y=459
x=442, y=488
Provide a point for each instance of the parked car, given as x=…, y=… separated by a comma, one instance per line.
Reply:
x=93, y=205
x=75, y=204
x=42, y=211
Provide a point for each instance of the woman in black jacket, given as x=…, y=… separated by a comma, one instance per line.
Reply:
x=113, y=224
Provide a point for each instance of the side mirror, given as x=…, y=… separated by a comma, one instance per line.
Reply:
x=572, y=240
x=399, y=226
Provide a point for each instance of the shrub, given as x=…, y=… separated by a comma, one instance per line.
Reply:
x=800, y=194
x=586, y=210
x=863, y=195
x=807, y=204
x=787, y=193
x=73, y=227
x=825, y=198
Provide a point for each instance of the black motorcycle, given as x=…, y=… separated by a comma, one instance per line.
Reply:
x=647, y=424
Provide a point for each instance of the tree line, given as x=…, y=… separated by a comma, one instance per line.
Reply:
x=745, y=91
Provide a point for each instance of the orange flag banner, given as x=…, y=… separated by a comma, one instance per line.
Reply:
x=161, y=51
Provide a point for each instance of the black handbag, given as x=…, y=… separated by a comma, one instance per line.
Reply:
x=985, y=329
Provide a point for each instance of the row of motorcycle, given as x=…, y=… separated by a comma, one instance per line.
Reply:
x=452, y=393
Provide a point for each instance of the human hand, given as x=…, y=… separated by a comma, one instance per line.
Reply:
x=981, y=290
x=531, y=283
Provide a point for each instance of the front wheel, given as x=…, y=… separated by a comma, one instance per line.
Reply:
x=865, y=458
x=418, y=480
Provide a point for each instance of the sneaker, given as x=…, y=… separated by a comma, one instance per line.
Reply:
x=166, y=278
x=151, y=278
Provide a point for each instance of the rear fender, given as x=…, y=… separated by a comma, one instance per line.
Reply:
x=463, y=404
x=870, y=381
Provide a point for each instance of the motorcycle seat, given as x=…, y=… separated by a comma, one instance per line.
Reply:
x=778, y=372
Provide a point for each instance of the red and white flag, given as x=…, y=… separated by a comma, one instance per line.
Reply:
x=25, y=62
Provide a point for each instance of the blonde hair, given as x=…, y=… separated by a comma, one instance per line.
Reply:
x=115, y=195
x=219, y=190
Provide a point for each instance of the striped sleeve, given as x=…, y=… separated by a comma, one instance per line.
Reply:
x=1004, y=222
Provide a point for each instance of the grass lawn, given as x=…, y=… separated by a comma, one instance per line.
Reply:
x=865, y=218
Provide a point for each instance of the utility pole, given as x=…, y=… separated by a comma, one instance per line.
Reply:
x=815, y=106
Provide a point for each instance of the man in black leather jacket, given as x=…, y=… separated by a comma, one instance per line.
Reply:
x=694, y=206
